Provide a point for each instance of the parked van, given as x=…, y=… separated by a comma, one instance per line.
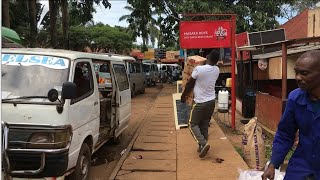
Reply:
x=136, y=75
x=167, y=69
x=151, y=72
x=54, y=115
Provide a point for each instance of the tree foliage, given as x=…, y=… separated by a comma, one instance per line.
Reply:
x=141, y=22
x=100, y=38
x=20, y=21
x=251, y=15
x=293, y=8
x=81, y=11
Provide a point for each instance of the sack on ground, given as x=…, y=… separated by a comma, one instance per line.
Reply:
x=253, y=145
x=256, y=175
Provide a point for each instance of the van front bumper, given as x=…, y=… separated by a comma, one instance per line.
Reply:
x=37, y=164
x=25, y=159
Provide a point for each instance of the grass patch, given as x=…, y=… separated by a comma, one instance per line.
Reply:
x=239, y=150
x=290, y=153
x=269, y=152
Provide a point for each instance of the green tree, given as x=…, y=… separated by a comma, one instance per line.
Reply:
x=33, y=22
x=53, y=11
x=141, y=21
x=65, y=23
x=293, y=8
x=73, y=13
x=25, y=26
x=100, y=37
x=5, y=13
x=251, y=15
x=81, y=11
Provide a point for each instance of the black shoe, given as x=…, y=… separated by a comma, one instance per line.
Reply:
x=204, y=150
x=199, y=148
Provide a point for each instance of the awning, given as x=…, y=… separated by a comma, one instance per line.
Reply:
x=10, y=38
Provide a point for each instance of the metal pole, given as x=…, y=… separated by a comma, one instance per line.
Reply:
x=233, y=75
x=161, y=72
x=185, y=57
x=284, y=71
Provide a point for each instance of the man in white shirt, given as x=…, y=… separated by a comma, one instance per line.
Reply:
x=202, y=81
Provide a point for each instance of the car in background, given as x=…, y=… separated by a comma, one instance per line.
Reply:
x=151, y=72
x=136, y=75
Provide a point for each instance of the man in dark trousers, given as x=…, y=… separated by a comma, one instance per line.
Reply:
x=302, y=113
x=202, y=81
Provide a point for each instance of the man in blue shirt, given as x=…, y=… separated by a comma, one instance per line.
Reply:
x=302, y=113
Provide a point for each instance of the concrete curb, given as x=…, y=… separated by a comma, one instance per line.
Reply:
x=129, y=147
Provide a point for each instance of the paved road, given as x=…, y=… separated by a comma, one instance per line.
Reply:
x=106, y=158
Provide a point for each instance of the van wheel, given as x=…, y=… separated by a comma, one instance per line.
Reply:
x=116, y=140
x=133, y=91
x=83, y=164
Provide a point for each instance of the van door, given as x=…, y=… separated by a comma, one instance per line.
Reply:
x=130, y=72
x=139, y=77
x=123, y=97
x=156, y=72
x=84, y=110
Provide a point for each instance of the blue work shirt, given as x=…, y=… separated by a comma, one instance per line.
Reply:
x=301, y=115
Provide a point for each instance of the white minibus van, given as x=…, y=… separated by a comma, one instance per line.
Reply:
x=54, y=117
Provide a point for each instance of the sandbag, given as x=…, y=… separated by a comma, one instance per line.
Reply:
x=253, y=145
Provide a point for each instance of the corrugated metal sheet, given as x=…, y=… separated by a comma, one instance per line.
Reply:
x=299, y=49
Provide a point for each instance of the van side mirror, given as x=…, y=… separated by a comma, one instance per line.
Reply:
x=53, y=95
x=68, y=90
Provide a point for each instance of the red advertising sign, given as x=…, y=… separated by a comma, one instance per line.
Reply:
x=205, y=34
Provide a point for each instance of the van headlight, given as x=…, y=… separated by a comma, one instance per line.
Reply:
x=50, y=139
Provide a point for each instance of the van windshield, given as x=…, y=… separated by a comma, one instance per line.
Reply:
x=146, y=67
x=32, y=76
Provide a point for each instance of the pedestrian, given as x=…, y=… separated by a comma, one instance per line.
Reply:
x=202, y=81
x=302, y=113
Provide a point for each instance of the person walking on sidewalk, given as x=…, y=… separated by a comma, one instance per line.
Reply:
x=202, y=81
x=302, y=113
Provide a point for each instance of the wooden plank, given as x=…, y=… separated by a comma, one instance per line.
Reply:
x=149, y=165
x=157, y=155
x=148, y=132
x=138, y=146
x=156, y=139
x=146, y=175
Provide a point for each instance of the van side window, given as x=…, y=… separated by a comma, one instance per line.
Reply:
x=104, y=68
x=121, y=76
x=155, y=68
x=83, y=79
x=137, y=67
x=131, y=70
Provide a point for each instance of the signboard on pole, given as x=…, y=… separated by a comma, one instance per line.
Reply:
x=205, y=34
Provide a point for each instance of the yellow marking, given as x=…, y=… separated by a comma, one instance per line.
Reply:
x=190, y=123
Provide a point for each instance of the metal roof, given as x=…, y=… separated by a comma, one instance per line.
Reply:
x=295, y=50
x=72, y=55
